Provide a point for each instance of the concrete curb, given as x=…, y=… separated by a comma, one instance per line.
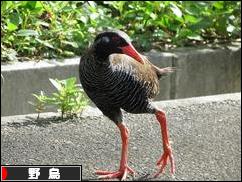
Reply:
x=200, y=72
x=90, y=111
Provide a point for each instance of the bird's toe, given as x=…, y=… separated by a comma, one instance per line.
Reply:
x=121, y=173
x=162, y=162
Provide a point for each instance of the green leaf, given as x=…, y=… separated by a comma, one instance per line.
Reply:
x=83, y=19
x=218, y=4
x=9, y=54
x=176, y=10
x=153, y=16
x=47, y=44
x=92, y=4
x=70, y=83
x=42, y=93
x=56, y=95
x=193, y=9
x=15, y=18
x=195, y=37
x=230, y=28
x=43, y=23
x=56, y=84
x=73, y=44
x=27, y=32
x=202, y=24
x=6, y=6
x=35, y=95
x=34, y=6
x=11, y=26
x=68, y=53
x=191, y=19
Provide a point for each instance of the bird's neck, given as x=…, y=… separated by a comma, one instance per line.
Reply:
x=100, y=55
x=94, y=61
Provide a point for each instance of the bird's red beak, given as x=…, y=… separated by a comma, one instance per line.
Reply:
x=131, y=51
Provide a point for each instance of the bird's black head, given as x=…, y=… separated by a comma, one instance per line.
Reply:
x=110, y=42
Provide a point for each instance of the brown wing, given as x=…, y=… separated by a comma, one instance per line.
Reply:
x=144, y=73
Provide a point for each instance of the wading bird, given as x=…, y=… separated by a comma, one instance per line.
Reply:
x=115, y=76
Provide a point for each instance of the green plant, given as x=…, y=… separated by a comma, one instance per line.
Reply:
x=40, y=102
x=69, y=98
x=50, y=29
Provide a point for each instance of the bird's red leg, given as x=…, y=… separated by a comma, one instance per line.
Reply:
x=167, y=155
x=124, y=168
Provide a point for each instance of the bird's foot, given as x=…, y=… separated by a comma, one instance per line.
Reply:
x=162, y=162
x=121, y=173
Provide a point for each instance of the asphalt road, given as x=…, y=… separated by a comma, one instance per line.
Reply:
x=205, y=134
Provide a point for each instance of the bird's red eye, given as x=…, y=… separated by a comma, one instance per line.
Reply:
x=115, y=38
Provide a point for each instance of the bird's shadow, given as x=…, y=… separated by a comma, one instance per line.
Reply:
x=41, y=122
x=145, y=177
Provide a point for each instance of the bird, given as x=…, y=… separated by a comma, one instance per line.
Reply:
x=116, y=77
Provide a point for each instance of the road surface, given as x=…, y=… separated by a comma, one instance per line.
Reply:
x=205, y=134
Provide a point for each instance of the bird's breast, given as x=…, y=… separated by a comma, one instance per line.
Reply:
x=118, y=85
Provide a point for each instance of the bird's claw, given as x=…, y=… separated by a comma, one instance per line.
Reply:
x=121, y=173
x=162, y=162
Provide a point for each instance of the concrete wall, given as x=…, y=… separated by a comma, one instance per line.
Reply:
x=206, y=72
x=199, y=72
x=21, y=80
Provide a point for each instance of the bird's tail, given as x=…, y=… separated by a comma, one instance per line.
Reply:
x=164, y=71
x=161, y=72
